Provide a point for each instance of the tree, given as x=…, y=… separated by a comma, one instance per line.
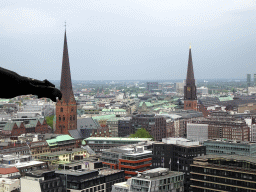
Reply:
x=49, y=121
x=141, y=133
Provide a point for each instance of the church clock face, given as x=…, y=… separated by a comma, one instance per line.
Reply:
x=188, y=88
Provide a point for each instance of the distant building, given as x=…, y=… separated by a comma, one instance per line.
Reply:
x=223, y=173
x=155, y=125
x=124, y=127
x=230, y=147
x=248, y=80
x=177, y=154
x=154, y=180
x=251, y=90
x=254, y=79
x=197, y=132
x=179, y=87
x=151, y=86
x=202, y=91
x=226, y=128
x=121, y=112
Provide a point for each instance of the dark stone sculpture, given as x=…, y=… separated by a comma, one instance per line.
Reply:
x=12, y=85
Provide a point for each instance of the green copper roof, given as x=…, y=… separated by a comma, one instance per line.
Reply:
x=52, y=142
x=103, y=117
x=148, y=104
x=228, y=98
x=8, y=126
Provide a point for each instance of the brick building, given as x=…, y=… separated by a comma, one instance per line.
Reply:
x=155, y=125
x=16, y=128
x=66, y=108
x=229, y=129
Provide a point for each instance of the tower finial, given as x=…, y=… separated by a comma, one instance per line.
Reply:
x=189, y=45
x=65, y=25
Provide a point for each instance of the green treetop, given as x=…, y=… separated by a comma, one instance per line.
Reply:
x=141, y=133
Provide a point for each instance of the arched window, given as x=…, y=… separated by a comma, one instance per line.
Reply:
x=61, y=109
x=70, y=118
x=72, y=109
x=74, y=117
x=63, y=127
x=63, y=118
x=59, y=118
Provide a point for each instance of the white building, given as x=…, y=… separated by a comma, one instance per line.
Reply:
x=202, y=90
x=251, y=90
x=8, y=185
x=253, y=133
x=197, y=132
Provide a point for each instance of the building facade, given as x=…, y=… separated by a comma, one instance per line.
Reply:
x=177, y=154
x=197, y=132
x=66, y=108
x=230, y=147
x=155, y=125
x=223, y=173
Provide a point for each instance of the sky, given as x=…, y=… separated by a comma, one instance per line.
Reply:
x=129, y=39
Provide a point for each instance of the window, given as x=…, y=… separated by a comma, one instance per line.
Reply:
x=63, y=118
x=61, y=109
x=59, y=118
x=70, y=118
x=74, y=117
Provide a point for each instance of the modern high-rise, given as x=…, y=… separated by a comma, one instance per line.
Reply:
x=66, y=108
x=190, y=98
x=248, y=80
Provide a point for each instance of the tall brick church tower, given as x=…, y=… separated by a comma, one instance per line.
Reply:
x=190, y=98
x=66, y=109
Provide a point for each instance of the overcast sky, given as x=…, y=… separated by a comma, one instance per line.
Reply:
x=129, y=39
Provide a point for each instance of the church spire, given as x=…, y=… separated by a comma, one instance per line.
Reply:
x=190, y=72
x=66, y=84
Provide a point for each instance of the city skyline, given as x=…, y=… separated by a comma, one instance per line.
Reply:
x=129, y=40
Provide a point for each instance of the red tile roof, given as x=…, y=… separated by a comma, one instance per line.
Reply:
x=4, y=171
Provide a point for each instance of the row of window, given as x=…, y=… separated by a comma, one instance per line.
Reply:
x=61, y=109
x=64, y=118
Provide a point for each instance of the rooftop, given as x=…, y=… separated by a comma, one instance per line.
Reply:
x=227, y=157
x=116, y=139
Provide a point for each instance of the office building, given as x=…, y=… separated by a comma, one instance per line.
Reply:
x=9, y=185
x=127, y=158
x=42, y=181
x=154, y=180
x=155, y=125
x=230, y=147
x=177, y=154
x=197, y=132
x=223, y=173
